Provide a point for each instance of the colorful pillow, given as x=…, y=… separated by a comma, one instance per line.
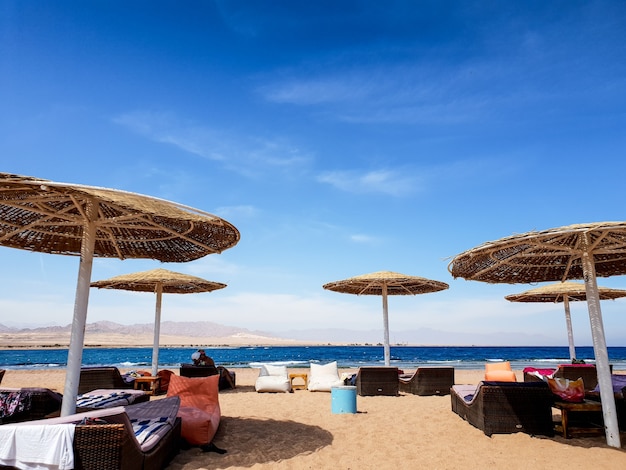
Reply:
x=567, y=390
x=145, y=428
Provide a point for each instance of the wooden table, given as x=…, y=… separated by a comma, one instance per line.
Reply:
x=148, y=384
x=580, y=428
x=302, y=386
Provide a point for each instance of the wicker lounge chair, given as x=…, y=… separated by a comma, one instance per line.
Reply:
x=115, y=445
x=28, y=403
x=505, y=407
x=92, y=378
x=428, y=381
x=377, y=381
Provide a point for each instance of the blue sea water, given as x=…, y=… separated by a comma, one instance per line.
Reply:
x=404, y=357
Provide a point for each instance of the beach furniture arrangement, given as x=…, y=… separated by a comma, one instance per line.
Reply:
x=505, y=407
x=428, y=381
x=377, y=381
x=199, y=408
x=323, y=377
x=191, y=370
x=142, y=436
x=272, y=379
x=499, y=372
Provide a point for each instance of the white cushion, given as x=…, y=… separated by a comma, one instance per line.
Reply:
x=277, y=371
x=323, y=377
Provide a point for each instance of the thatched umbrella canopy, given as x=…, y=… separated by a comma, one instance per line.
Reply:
x=581, y=251
x=70, y=219
x=386, y=283
x=159, y=281
x=564, y=292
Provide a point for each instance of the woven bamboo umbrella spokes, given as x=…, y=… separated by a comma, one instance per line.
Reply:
x=386, y=283
x=70, y=219
x=565, y=292
x=159, y=281
x=582, y=251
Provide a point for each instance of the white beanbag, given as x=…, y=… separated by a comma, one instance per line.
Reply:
x=273, y=379
x=323, y=377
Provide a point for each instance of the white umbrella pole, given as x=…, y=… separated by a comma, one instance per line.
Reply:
x=600, y=350
x=570, y=331
x=157, y=329
x=386, y=326
x=77, y=339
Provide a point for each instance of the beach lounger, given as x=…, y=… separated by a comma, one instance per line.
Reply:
x=136, y=437
x=377, y=381
x=2, y=371
x=27, y=403
x=505, y=407
x=93, y=378
x=428, y=381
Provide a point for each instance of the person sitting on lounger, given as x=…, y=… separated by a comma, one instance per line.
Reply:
x=200, y=358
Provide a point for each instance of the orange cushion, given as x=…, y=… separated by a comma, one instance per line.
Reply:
x=491, y=366
x=501, y=376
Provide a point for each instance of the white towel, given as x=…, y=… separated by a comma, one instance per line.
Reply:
x=37, y=446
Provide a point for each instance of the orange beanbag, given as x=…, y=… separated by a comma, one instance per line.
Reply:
x=199, y=406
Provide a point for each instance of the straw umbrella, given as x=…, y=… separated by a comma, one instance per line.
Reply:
x=564, y=292
x=386, y=283
x=582, y=251
x=159, y=281
x=70, y=219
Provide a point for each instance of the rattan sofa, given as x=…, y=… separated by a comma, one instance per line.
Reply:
x=428, y=381
x=114, y=445
x=505, y=407
x=377, y=381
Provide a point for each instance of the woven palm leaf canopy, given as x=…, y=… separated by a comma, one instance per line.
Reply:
x=386, y=283
x=564, y=292
x=159, y=281
x=70, y=219
x=582, y=251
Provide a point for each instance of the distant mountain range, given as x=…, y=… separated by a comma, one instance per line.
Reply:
x=206, y=332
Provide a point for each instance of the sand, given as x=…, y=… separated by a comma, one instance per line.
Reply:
x=298, y=431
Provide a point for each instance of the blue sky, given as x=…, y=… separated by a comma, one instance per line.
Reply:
x=339, y=137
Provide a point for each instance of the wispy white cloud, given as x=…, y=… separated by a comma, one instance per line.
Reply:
x=365, y=239
x=393, y=183
x=250, y=156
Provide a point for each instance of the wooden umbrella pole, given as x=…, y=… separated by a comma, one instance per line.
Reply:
x=386, y=326
x=157, y=329
x=77, y=339
x=599, y=347
x=570, y=331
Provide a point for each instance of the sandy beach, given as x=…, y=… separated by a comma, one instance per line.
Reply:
x=298, y=431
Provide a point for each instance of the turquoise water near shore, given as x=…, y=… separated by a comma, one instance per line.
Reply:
x=404, y=357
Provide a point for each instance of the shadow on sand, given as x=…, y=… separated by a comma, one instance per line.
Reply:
x=251, y=441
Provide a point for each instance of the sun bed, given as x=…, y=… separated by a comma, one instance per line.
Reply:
x=27, y=403
x=136, y=437
x=505, y=407
x=377, y=381
x=428, y=381
x=92, y=378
